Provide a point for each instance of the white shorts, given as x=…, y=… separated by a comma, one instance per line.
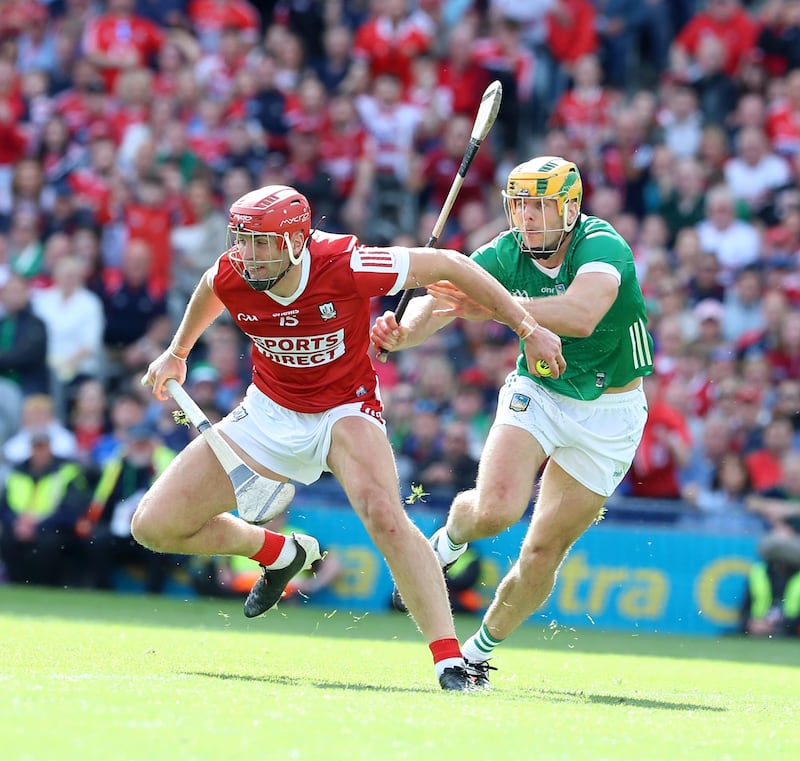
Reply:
x=593, y=441
x=291, y=444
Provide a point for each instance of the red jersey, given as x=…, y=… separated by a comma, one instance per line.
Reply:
x=120, y=35
x=210, y=17
x=738, y=36
x=439, y=168
x=390, y=50
x=310, y=350
x=783, y=128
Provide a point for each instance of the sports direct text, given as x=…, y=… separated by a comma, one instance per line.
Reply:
x=302, y=351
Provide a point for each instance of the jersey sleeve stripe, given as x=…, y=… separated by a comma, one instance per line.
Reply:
x=599, y=267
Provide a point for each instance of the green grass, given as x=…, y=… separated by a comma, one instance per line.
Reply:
x=100, y=676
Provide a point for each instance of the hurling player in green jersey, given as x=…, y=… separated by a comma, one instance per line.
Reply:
x=575, y=276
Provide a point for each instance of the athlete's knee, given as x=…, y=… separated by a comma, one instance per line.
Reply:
x=382, y=515
x=491, y=515
x=539, y=558
x=147, y=528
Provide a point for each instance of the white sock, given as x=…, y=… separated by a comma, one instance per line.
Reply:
x=287, y=554
x=448, y=663
x=480, y=646
x=445, y=548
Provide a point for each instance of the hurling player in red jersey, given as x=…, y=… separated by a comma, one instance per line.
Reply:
x=303, y=299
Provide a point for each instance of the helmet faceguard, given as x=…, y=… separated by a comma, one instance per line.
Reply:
x=261, y=228
x=535, y=182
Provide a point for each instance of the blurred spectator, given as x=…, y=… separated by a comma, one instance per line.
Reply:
x=787, y=404
x=618, y=23
x=714, y=152
x=268, y=105
x=460, y=73
x=88, y=418
x=626, y=158
x=424, y=441
x=75, y=323
x=36, y=44
x=709, y=449
x=771, y=604
x=126, y=410
x=723, y=20
x=39, y=415
x=334, y=67
x=505, y=57
x=765, y=465
x=734, y=241
x=104, y=528
x=23, y=339
x=290, y=57
x=764, y=339
x=25, y=243
x=779, y=549
x=742, y=305
x=779, y=36
x=230, y=359
x=342, y=153
x=118, y=40
x=782, y=120
x=391, y=125
x=709, y=315
x=196, y=244
x=130, y=304
x=148, y=220
x=754, y=172
x=92, y=183
x=454, y=469
x=784, y=356
x=40, y=502
x=664, y=450
x=681, y=120
x=391, y=38
x=209, y=19
x=433, y=175
x=721, y=506
x=586, y=110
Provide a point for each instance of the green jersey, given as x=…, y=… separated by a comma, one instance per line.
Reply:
x=620, y=348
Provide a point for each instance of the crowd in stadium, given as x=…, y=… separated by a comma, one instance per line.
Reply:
x=127, y=127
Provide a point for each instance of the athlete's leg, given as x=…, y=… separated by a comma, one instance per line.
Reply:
x=186, y=509
x=509, y=465
x=362, y=460
x=564, y=510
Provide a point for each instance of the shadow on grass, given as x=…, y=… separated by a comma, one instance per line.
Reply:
x=564, y=696
x=291, y=681
x=549, y=696
x=308, y=620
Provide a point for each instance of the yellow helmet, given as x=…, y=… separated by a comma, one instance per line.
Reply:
x=543, y=178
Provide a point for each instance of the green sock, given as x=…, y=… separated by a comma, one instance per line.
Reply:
x=481, y=645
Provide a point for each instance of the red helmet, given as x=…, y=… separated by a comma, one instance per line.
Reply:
x=276, y=209
x=261, y=225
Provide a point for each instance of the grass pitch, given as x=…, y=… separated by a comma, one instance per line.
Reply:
x=101, y=676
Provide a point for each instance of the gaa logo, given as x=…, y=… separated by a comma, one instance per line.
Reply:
x=246, y=317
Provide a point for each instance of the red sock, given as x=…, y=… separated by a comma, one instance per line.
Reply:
x=273, y=544
x=445, y=648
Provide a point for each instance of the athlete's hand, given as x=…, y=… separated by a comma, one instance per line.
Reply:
x=460, y=305
x=386, y=334
x=544, y=346
x=165, y=366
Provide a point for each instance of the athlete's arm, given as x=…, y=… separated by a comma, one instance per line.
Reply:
x=203, y=308
x=432, y=265
x=578, y=311
x=419, y=323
